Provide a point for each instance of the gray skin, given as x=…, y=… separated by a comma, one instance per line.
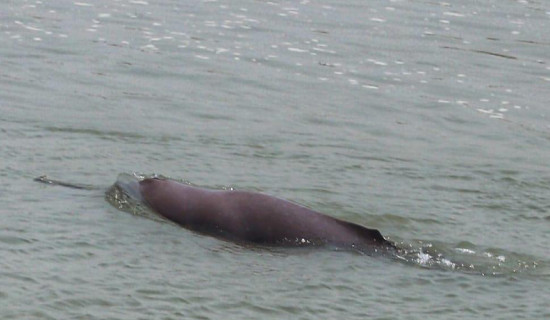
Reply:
x=252, y=217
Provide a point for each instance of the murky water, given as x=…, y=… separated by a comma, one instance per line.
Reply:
x=426, y=120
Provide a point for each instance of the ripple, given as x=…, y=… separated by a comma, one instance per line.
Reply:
x=469, y=258
x=427, y=118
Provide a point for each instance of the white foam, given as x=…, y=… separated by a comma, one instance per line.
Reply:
x=377, y=62
x=464, y=250
x=370, y=86
x=423, y=258
x=296, y=50
x=453, y=14
x=488, y=111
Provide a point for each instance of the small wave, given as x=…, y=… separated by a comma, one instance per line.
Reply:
x=468, y=258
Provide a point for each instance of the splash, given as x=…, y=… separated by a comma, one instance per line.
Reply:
x=124, y=196
x=468, y=258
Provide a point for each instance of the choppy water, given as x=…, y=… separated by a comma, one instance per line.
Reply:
x=426, y=120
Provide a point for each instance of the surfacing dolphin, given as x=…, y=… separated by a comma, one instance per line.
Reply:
x=251, y=217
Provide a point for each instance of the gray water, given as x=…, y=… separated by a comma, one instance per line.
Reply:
x=425, y=120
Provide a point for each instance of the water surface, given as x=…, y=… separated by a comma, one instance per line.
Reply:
x=426, y=120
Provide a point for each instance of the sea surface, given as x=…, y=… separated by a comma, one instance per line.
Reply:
x=427, y=120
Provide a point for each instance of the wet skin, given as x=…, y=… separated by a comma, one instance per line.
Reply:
x=252, y=217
